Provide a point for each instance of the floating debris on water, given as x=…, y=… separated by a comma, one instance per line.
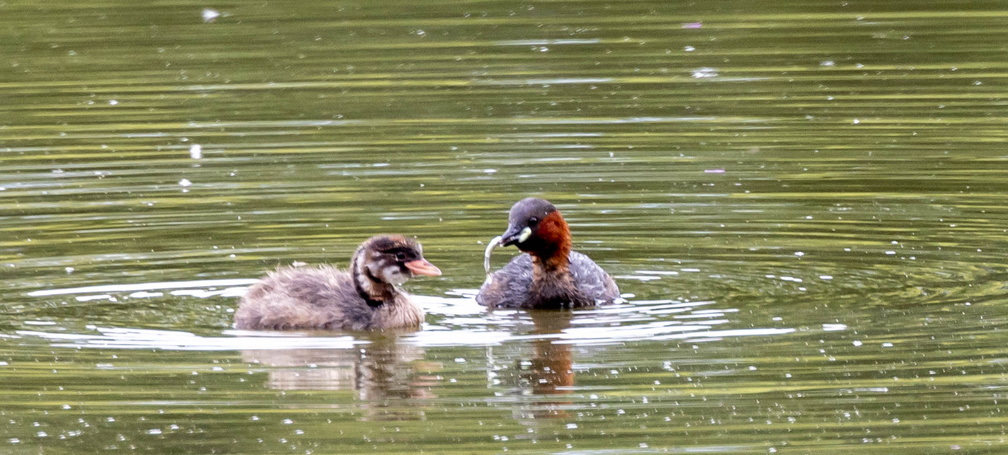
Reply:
x=210, y=15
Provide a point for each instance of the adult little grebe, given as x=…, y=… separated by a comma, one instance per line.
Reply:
x=367, y=297
x=550, y=275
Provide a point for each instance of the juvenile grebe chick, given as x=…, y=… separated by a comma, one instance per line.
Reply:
x=549, y=275
x=367, y=297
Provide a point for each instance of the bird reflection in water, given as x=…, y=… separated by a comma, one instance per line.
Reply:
x=549, y=373
x=383, y=373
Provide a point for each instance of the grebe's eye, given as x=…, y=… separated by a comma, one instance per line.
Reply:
x=533, y=220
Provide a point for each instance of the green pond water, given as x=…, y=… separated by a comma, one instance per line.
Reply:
x=804, y=204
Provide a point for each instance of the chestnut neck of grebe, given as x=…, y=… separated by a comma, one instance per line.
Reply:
x=552, y=246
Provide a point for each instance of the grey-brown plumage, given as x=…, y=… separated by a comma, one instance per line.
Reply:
x=367, y=297
x=549, y=275
x=511, y=286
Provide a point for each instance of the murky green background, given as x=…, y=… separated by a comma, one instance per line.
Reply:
x=804, y=203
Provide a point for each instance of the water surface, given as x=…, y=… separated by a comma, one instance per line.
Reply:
x=803, y=205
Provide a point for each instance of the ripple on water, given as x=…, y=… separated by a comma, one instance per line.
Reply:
x=453, y=321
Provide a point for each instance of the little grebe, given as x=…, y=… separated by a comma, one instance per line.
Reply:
x=367, y=297
x=551, y=275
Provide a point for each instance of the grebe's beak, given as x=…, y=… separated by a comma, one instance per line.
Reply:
x=422, y=267
x=515, y=235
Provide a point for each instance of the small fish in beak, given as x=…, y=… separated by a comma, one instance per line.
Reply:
x=489, y=249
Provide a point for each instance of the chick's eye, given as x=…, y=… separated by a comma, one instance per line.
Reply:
x=400, y=256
